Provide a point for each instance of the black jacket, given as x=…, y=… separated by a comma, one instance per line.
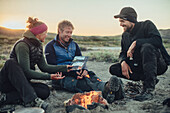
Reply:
x=143, y=32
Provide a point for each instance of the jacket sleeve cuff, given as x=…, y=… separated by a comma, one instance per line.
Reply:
x=123, y=60
x=49, y=77
x=61, y=68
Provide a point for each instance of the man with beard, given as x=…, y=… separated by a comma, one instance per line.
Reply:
x=142, y=55
x=61, y=51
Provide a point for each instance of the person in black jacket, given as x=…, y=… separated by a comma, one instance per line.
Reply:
x=142, y=55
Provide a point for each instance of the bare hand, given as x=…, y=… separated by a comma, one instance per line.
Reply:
x=126, y=69
x=131, y=50
x=57, y=76
x=85, y=72
x=69, y=68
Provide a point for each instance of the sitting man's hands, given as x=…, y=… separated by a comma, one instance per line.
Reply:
x=57, y=76
x=131, y=50
x=82, y=74
x=69, y=68
x=126, y=69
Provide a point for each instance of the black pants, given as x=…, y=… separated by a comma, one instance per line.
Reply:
x=147, y=63
x=71, y=83
x=16, y=86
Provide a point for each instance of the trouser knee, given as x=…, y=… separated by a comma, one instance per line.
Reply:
x=115, y=69
x=149, y=56
x=46, y=92
x=42, y=90
x=147, y=48
x=11, y=62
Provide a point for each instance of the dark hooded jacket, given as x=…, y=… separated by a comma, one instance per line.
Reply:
x=143, y=32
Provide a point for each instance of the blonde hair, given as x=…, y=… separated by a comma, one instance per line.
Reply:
x=63, y=24
x=33, y=22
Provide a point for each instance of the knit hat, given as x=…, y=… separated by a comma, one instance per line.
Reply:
x=39, y=29
x=127, y=13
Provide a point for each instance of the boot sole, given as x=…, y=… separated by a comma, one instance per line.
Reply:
x=114, y=84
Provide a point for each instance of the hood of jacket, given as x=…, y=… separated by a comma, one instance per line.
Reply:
x=28, y=34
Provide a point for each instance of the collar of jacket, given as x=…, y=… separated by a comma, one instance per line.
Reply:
x=57, y=40
x=28, y=34
x=135, y=29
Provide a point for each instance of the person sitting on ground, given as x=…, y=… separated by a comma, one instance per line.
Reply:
x=15, y=77
x=142, y=55
x=61, y=51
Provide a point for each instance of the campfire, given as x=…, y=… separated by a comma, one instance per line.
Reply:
x=86, y=99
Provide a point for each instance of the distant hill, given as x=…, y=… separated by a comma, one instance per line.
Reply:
x=165, y=33
x=11, y=32
x=9, y=36
x=14, y=32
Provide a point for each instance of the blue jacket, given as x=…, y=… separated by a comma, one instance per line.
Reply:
x=56, y=54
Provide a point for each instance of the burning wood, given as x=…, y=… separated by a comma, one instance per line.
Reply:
x=85, y=99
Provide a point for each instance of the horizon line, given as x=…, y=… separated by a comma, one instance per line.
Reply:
x=75, y=34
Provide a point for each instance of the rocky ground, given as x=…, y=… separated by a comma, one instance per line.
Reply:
x=126, y=105
x=162, y=91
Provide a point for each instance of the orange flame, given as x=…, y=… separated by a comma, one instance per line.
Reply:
x=99, y=80
x=87, y=76
x=87, y=99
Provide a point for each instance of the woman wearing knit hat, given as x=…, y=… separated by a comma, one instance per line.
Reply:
x=15, y=76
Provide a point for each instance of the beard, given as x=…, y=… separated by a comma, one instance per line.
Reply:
x=127, y=28
x=65, y=40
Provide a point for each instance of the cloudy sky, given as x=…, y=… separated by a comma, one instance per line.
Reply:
x=89, y=17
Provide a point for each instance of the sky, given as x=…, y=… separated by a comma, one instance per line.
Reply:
x=89, y=17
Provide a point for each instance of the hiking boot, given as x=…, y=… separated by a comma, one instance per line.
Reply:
x=38, y=103
x=7, y=108
x=3, y=107
x=145, y=95
x=120, y=94
x=113, y=90
x=148, y=88
x=2, y=99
